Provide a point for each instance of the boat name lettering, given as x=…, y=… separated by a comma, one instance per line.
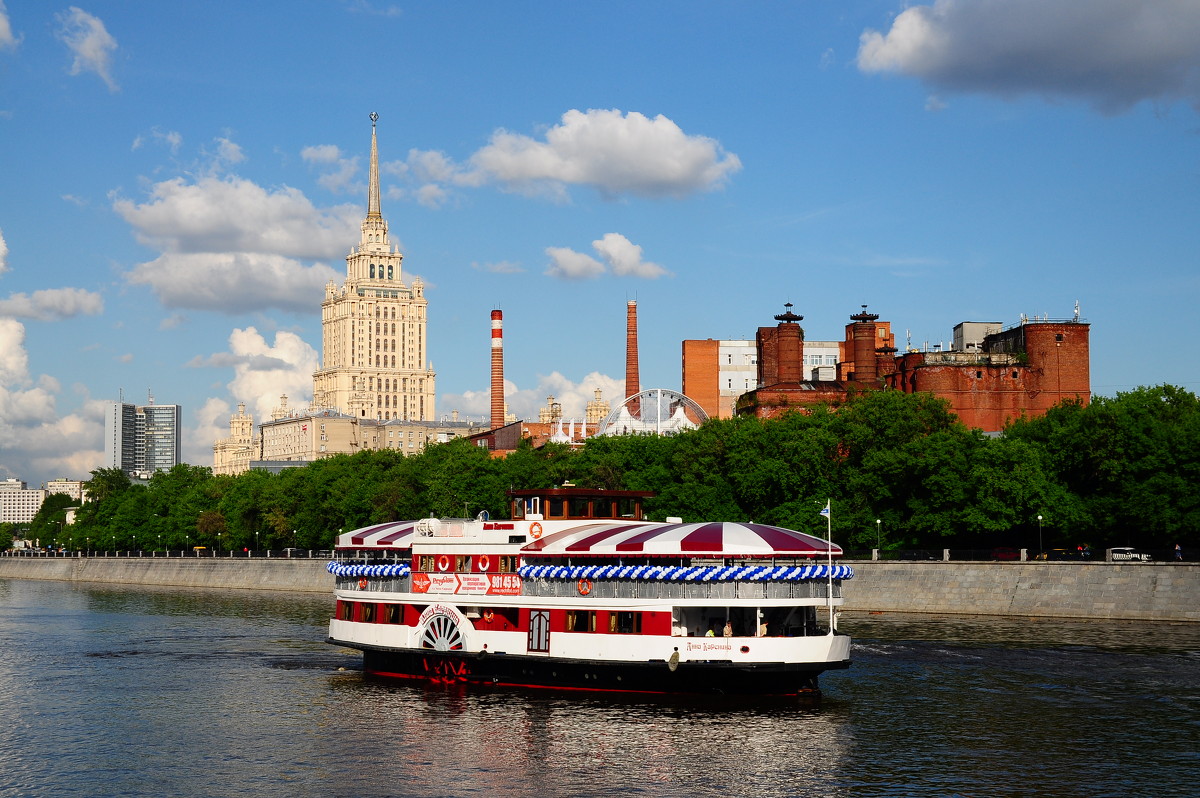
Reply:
x=714, y=645
x=439, y=609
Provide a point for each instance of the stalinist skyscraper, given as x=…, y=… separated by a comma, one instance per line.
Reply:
x=373, y=329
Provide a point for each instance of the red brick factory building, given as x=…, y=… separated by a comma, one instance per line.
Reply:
x=989, y=375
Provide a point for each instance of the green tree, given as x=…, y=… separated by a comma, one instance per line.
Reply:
x=1132, y=460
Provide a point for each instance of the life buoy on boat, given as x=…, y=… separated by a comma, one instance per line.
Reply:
x=489, y=616
x=483, y=561
x=444, y=563
x=584, y=586
x=362, y=583
x=535, y=529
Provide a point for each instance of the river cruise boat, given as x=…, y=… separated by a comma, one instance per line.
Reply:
x=578, y=591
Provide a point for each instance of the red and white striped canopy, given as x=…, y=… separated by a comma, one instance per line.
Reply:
x=394, y=535
x=715, y=539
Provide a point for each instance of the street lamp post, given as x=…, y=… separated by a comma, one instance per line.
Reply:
x=1040, y=549
x=878, y=537
x=256, y=546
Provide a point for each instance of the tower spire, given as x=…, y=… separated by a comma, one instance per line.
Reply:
x=373, y=189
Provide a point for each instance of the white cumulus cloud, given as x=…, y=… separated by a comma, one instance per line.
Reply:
x=91, y=45
x=233, y=214
x=524, y=403
x=231, y=245
x=264, y=370
x=625, y=257
x=622, y=255
x=614, y=152
x=567, y=264
x=51, y=304
x=33, y=440
x=233, y=282
x=8, y=40
x=1111, y=53
x=3, y=254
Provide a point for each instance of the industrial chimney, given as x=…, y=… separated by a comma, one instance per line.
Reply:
x=497, y=369
x=633, y=381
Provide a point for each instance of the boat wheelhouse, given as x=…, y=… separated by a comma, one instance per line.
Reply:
x=577, y=590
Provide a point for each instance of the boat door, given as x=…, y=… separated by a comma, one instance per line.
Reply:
x=539, y=631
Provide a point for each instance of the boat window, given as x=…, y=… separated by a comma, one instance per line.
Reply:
x=346, y=610
x=581, y=621
x=508, y=564
x=392, y=613
x=367, y=612
x=625, y=623
x=427, y=563
x=602, y=508
x=518, y=510
x=507, y=617
x=462, y=564
x=629, y=508
x=558, y=508
x=579, y=507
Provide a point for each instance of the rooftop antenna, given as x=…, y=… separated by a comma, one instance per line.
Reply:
x=1076, y=310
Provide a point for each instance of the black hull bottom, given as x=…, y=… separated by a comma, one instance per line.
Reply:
x=653, y=677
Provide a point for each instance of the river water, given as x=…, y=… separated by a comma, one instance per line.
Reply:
x=140, y=691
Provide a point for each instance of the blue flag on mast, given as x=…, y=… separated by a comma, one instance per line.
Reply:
x=825, y=510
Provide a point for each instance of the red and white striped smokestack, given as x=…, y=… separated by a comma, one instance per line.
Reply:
x=497, y=369
x=633, y=382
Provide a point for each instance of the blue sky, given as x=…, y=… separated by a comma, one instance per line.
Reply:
x=179, y=180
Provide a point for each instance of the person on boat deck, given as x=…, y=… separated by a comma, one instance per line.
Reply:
x=710, y=632
x=728, y=629
x=762, y=629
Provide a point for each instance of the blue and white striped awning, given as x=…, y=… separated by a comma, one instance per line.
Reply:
x=369, y=571
x=698, y=573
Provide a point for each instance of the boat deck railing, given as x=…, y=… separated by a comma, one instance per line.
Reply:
x=637, y=589
x=626, y=589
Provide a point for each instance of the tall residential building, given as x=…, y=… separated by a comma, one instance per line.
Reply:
x=373, y=329
x=141, y=440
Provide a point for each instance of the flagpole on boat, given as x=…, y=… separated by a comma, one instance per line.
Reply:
x=828, y=513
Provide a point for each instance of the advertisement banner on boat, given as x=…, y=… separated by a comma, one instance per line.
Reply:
x=470, y=584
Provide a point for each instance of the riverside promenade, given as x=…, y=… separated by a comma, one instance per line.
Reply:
x=1117, y=591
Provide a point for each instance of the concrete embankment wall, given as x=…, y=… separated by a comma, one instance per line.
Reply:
x=1135, y=591
x=1128, y=591
x=307, y=576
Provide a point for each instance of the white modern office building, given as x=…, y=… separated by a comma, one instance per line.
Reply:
x=142, y=440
